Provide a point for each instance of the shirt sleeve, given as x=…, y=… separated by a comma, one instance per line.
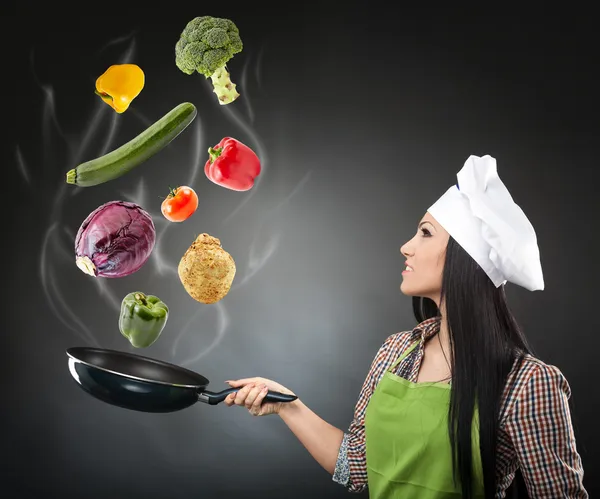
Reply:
x=542, y=434
x=351, y=465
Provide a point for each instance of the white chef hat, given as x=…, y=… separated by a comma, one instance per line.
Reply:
x=480, y=214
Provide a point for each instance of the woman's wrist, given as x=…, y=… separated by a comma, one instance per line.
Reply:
x=288, y=407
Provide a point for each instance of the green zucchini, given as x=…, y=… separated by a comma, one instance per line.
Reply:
x=122, y=160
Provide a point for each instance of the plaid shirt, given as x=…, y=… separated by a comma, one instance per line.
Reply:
x=535, y=431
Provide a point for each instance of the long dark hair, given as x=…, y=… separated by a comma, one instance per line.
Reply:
x=485, y=341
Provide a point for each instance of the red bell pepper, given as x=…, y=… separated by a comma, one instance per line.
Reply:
x=232, y=165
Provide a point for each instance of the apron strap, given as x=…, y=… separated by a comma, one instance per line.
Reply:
x=403, y=356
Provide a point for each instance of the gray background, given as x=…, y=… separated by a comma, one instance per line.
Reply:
x=361, y=118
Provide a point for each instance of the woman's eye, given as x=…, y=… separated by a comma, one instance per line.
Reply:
x=426, y=233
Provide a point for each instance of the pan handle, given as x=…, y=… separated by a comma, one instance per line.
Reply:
x=214, y=398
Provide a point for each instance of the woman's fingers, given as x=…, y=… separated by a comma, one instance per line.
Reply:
x=230, y=399
x=238, y=397
x=256, y=406
x=242, y=393
x=253, y=394
x=244, y=381
x=250, y=394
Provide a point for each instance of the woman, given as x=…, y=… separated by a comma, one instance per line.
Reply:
x=457, y=406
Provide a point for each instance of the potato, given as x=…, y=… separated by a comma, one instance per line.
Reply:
x=206, y=270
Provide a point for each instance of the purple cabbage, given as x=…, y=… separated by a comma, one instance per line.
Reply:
x=115, y=240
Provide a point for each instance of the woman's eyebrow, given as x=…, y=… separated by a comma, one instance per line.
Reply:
x=424, y=222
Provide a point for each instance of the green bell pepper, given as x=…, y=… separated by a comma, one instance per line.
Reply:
x=142, y=318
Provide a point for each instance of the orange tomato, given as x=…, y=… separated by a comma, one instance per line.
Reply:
x=180, y=204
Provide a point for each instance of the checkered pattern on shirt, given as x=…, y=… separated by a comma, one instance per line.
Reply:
x=535, y=433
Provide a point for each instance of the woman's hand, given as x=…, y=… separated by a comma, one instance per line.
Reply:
x=252, y=392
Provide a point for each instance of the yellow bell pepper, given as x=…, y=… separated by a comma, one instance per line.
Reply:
x=119, y=85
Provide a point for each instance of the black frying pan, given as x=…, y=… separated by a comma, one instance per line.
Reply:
x=142, y=384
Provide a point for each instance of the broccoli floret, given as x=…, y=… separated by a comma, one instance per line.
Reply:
x=214, y=59
x=206, y=45
x=216, y=38
x=235, y=42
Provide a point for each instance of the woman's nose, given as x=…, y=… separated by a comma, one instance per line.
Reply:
x=405, y=249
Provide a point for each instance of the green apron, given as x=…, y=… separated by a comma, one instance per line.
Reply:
x=407, y=444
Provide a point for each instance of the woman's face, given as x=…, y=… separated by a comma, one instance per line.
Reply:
x=425, y=254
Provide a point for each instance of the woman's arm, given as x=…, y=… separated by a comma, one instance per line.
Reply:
x=542, y=434
x=343, y=455
x=320, y=438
